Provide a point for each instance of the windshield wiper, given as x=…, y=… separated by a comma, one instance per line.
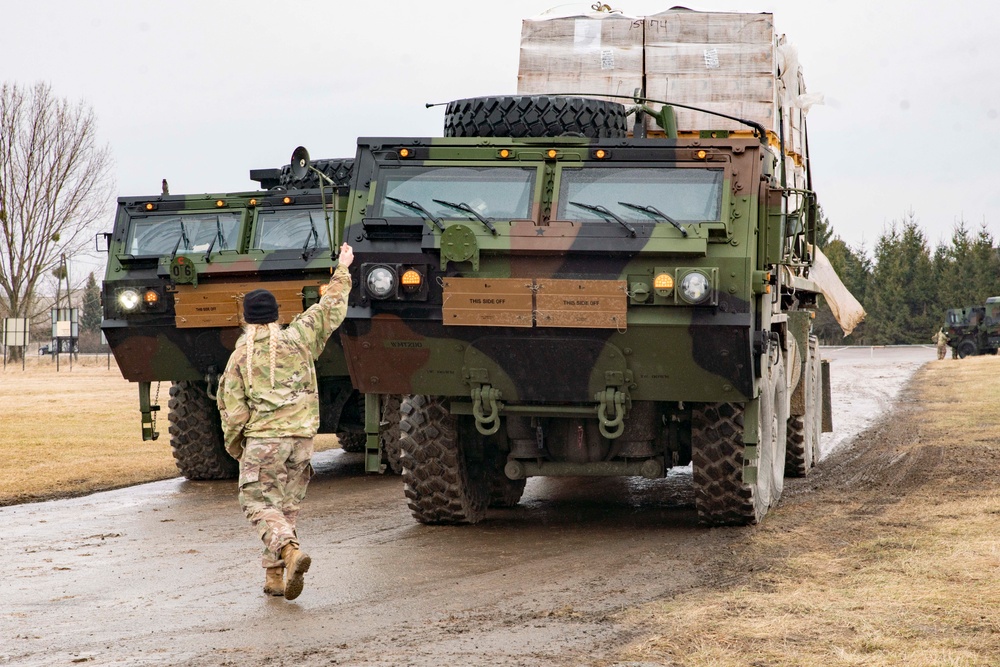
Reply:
x=652, y=210
x=182, y=237
x=313, y=234
x=607, y=214
x=419, y=209
x=218, y=236
x=465, y=208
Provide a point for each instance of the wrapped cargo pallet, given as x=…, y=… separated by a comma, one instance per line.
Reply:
x=595, y=53
x=727, y=62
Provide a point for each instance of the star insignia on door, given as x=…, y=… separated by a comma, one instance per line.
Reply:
x=540, y=231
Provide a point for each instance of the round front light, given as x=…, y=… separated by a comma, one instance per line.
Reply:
x=695, y=287
x=381, y=282
x=128, y=299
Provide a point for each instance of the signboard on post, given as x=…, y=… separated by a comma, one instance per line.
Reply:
x=15, y=332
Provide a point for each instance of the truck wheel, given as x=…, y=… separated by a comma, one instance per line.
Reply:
x=534, y=116
x=351, y=441
x=967, y=348
x=721, y=496
x=196, y=434
x=504, y=492
x=802, y=429
x=338, y=171
x=391, y=450
x=442, y=485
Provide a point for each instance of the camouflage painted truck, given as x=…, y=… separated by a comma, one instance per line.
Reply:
x=178, y=268
x=974, y=329
x=557, y=288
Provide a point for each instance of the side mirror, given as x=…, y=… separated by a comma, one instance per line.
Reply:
x=102, y=241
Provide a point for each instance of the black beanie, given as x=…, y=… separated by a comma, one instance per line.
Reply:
x=260, y=307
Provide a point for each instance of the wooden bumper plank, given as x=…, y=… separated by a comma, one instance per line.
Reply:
x=221, y=304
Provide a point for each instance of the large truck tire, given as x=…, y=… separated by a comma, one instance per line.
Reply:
x=338, y=171
x=351, y=441
x=722, y=498
x=967, y=348
x=535, y=116
x=196, y=434
x=392, y=450
x=802, y=451
x=441, y=485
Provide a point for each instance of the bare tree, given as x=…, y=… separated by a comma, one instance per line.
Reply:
x=55, y=183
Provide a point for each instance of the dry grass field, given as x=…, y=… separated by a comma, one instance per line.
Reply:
x=77, y=430
x=888, y=555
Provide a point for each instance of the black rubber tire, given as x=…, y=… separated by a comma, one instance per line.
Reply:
x=722, y=498
x=800, y=453
x=967, y=348
x=392, y=451
x=351, y=441
x=504, y=492
x=196, y=434
x=339, y=171
x=535, y=116
x=440, y=484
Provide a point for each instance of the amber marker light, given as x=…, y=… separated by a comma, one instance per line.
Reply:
x=253, y=202
x=552, y=153
x=150, y=206
x=286, y=200
x=663, y=281
x=219, y=203
x=411, y=278
x=404, y=152
x=504, y=153
x=151, y=297
x=702, y=155
x=600, y=154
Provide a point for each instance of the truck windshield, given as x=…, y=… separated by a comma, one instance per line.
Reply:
x=497, y=193
x=291, y=229
x=187, y=232
x=685, y=195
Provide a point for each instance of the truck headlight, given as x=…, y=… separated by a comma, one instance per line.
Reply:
x=381, y=282
x=128, y=300
x=695, y=287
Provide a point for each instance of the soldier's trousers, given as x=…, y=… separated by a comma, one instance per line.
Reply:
x=941, y=349
x=274, y=474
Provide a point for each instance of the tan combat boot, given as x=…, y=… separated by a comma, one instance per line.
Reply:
x=274, y=581
x=296, y=565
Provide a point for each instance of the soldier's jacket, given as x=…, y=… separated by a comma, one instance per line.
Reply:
x=250, y=406
x=940, y=338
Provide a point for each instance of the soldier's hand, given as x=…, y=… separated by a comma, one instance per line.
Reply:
x=346, y=255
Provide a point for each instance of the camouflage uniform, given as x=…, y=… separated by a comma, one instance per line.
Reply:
x=941, y=340
x=275, y=407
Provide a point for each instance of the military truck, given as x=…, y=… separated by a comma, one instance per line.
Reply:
x=177, y=270
x=554, y=298
x=974, y=329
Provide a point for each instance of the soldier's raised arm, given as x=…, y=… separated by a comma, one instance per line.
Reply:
x=319, y=321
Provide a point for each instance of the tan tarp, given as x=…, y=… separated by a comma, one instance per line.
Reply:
x=847, y=310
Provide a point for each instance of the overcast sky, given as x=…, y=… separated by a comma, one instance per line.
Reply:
x=200, y=92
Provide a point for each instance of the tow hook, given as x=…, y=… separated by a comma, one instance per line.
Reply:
x=485, y=395
x=617, y=402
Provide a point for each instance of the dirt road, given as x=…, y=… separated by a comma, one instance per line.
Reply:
x=167, y=573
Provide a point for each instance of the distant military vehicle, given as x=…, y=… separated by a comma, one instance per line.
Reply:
x=178, y=268
x=974, y=329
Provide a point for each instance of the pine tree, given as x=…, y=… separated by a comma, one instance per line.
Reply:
x=90, y=318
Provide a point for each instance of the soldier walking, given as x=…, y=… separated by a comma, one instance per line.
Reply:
x=270, y=413
x=941, y=340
